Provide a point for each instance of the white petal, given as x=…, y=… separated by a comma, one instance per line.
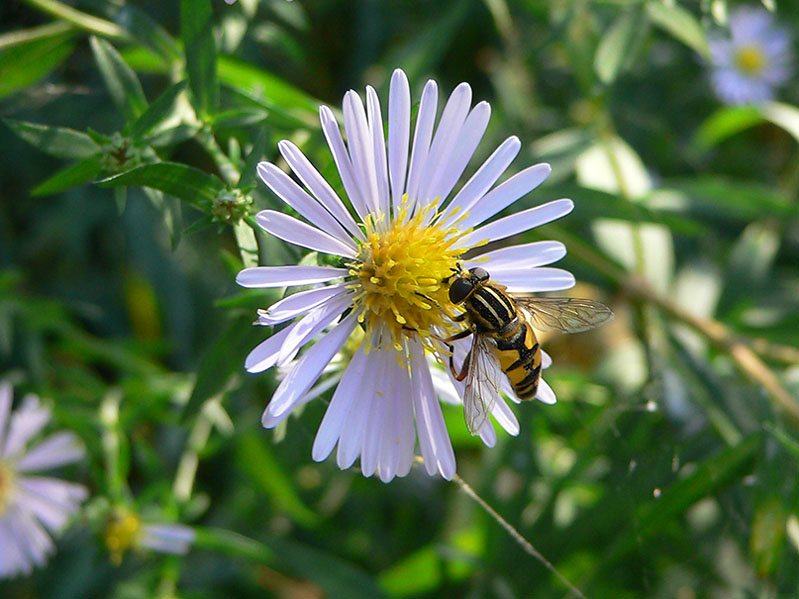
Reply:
x=342, y=160
x=404, y=426
x=349, y=445
x=318, y=186
x=373, y=431
x=443, y=146
x=28, y=420
x=545, y=393
x=53, y=501
x=56, y=450
x=6, y=395
x=375, y=120
x=291, y=193
x=442, y=383
x=284, y=276
x=295, y=231
x=537, y=253
x=468, y=140
x=309, y=367
x=425, y=119
x=399, y=129
x=343, y=399
x=506, y=193
x=487, y=433
x=505, y=417
x=546, y=360
x=485, y=177
x=299, y=303
x=310, y=326
x=167, y=538
x=517, y=223
x=389, y=436
x=284, y=345
x=433, y=437
x=535, y=280
x=359, y=143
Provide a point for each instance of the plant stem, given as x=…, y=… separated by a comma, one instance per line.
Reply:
x=81, y=20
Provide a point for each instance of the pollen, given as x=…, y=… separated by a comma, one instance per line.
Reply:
x=750, y=60
x=399, y=275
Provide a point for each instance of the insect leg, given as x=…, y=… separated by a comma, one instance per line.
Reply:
x=459, y=376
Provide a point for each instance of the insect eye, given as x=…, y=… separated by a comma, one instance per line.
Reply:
x=480, y=273
x=460, y=290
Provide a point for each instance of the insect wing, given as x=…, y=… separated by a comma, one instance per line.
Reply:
x=481, y=389
x=565, y=314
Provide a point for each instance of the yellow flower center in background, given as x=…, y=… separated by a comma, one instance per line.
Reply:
x=400, y=272
x=6, y=486
x=121, y=533
x=750, y=59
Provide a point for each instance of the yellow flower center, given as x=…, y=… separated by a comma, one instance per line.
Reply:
x=121, y=533
x=399, y=275
x=6, y=486
x=750, y=60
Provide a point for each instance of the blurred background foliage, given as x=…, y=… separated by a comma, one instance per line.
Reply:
x=667, y=469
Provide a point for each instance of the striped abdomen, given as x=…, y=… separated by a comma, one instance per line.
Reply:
x=493, y=313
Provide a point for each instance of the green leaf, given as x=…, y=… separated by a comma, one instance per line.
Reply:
x=121, y=81
x=743, y=200
x=614, y=49
x=680, y=23
x=256, y=460
x=184, y=182
x=725, y=123
x=238, y=118
x=169, y=207
x=146, y=30
x=248, y=173
x=172, y=135
x=729, y=121
x=32, y=54
x=72, y=176
x=60, y=142
x=418, y=573
x=159, y=111
x=196, y=21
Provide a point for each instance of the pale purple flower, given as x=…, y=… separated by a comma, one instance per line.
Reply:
x=753, y=61
x=399, y=236
x=32, y=507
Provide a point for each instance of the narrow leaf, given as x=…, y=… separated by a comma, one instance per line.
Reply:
x=158, y=112
x=27, y=58
x=60, y=142
x=196, y=20
x=614, y=49
x=72, y=176
x=680, y=23
x=184, y=182
x=121, y=81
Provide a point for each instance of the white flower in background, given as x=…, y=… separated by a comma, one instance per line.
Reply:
x=126, y=530
x=32, y=505
x=406, y=240
x=753, y=61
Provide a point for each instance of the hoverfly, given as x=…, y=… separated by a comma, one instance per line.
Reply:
x=503, y=337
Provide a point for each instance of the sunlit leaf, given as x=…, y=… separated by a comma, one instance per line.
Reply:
x=163, y=108
x=60, y=142
x=73, y=175
x=680, y=23
x=184, y=182
x=121, y=81
x=196, y=24
x=615, y=48
x=27, y=58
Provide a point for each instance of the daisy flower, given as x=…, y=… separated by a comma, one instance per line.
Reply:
x=753, y=61
x=126, y=530
x=406, y=233
x=32, y=506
